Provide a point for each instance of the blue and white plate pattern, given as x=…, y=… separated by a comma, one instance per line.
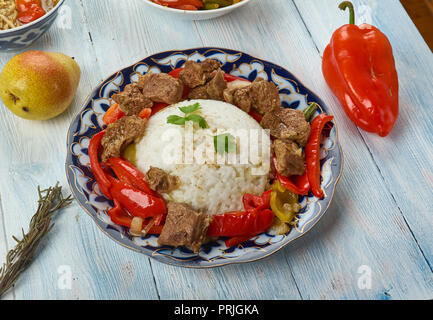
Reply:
x=89, y=121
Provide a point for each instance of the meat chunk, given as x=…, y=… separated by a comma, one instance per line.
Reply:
x=232, y=87
x=260, y=95
x=290, y=158
x=161, y=181
x=196, y=74
x=120, y=134
x=184, y=227
x=161, y=87
x=131, y=101
x=213, y=90
x=287, y=124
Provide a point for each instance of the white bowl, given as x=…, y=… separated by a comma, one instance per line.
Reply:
x=197, y=15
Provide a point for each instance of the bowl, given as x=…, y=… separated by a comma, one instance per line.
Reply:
x=196, y=15
x=89, y=121
x=23, y=36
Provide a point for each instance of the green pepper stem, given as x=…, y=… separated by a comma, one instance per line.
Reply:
x=347, y=4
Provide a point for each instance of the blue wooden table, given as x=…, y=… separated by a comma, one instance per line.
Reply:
x=376, y=240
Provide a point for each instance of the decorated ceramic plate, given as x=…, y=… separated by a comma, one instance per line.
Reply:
x=89, y=121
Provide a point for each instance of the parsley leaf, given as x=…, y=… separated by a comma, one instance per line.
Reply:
x=173, y=119
x=224, y=143
x=197, y=119
x=190, y=109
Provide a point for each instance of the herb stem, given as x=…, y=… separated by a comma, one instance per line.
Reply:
x=20, y=257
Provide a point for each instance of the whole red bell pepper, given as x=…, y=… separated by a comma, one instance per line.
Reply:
x=359, y=67
x=312, y=153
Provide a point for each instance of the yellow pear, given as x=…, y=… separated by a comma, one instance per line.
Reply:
x=38, y=85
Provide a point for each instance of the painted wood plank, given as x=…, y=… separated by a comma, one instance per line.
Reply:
x=326, y=261
x=33, y=154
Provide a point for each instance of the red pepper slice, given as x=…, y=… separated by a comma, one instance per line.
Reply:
x=230, y=78
x=113, y=114
x=252, y=202
x=101, y=178
x=138, y=203
x=256, y=116
x=29, y=10
x=297, y=184
x=120, y=217
x=239, y=224
x=359, y=67
x=145, y=113
x=127, y=173
x=312, y=153
x=232, y=242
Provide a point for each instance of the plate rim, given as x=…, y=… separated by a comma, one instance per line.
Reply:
x=215, y=264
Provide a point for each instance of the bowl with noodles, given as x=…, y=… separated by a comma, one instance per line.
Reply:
x=22, y=22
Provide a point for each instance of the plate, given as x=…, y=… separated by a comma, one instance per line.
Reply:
x=196, y=15
x=89, y=121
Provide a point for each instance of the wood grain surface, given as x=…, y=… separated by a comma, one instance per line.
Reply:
x=380, y=219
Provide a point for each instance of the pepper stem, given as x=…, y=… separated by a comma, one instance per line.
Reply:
x=347, y=4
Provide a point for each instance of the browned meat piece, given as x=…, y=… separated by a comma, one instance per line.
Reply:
x=232, y=87
x=161, y=87
x=120, y=134
x=261, y=95
x=198, y=93
x=160, y=181
x=131, y=101
x=242, y=99
x=213, y=90
x=216, y=87
x=287, y=124
x=197, y=74
x=184, y=227
x=290, y=158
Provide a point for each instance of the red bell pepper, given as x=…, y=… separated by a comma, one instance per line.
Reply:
x=175, y=3
x=231, y=242
x=359, y=67
x=113, y=114
x=240, y=224
x=312, y=153
x=252, y=202
x=138, y=203
x=29, y=10
x=127, y=173
x=122, y=218
x=101, y=178
x=158, y=107
x=297, y=184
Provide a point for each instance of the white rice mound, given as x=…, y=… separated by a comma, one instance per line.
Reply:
x=205, y=183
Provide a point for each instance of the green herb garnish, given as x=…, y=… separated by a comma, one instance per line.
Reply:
x=224, y=143
x=189, y=116
x=190, y=109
